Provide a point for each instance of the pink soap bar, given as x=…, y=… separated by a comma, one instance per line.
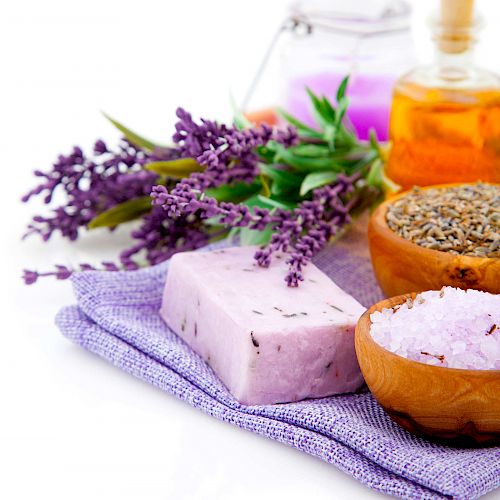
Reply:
x=267, y=342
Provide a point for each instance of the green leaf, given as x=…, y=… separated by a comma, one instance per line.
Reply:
x=175, y=168
x=267, y=152
x=253, y=237
x=389, y=187
x=359, y=164
x=124, y=212
x=322, y=117
x=374, y=177
x=133, y=137
x=341, y=111
x=270, y=203
x=233, y=233
x=212, y=222
x=254, y=201
x=330, y=135
x=265, y=185
x=328, y=110
x=346, y=138
x=310, y=150
x=282, y=190
x=218, y=236
x=342, y=88
x=316, y=179
x=304, y=130
x=375, y=145
x=282, y=181
x=265, y=202
x=240, y=120
x=304, y=165
x=234, y=192
x=283, y=177
x=316, y=101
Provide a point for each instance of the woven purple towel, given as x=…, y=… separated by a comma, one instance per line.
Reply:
x=117, y=318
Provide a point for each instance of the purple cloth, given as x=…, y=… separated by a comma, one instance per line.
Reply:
x=117, y=318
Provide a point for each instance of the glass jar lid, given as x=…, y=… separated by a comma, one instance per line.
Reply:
x=357, y=17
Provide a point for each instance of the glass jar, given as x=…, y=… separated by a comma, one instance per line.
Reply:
x=370, y=41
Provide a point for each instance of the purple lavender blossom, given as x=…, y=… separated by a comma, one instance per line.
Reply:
x=60, y=273
x=91, y=185
x=301, y=232
x=228, y=153
x=95, y=184
x=159, y=237
x=178, y=217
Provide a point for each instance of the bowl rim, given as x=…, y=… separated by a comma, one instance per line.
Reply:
x=378, y=218
x=365, y=318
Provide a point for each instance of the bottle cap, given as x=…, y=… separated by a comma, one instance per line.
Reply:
x=455, y=27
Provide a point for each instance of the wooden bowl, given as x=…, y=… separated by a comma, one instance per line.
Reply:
x=459, y=406
x=403, y=267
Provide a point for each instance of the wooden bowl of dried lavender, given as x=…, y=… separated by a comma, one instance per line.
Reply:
x=432, y=362
x=427, y=238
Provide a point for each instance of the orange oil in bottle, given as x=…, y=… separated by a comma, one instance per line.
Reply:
x=443, y=135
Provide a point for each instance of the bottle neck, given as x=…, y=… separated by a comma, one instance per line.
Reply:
x=455, y=33
x=454, y=66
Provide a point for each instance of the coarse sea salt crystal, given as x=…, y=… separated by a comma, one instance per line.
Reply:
x=453, y=328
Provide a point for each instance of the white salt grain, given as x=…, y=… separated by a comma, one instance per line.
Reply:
x=452, y=328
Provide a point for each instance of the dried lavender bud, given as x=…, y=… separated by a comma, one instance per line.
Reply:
x=254, y=340
x=335, y=307
x=492, y=329
x=439, y=357
x=462, y=220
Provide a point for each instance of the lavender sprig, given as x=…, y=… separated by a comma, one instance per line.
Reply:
x=96, y=183
x=91, y=185
x=64, y=272
x=228, y=154
x=294, y=187
x=302, y=232
x=158, y=238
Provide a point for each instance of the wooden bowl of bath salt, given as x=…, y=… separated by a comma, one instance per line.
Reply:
x=459, y=406
x=419, y=240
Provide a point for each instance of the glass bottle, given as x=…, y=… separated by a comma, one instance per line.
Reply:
x=445, y=118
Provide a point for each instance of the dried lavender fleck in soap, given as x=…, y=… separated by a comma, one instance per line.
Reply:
x=267, y=342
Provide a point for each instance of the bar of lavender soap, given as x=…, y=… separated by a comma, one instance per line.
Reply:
x=267, y=342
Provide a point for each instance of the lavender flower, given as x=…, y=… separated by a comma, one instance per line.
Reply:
x=301, y=232
x=91, y=185
x=228, y=153
x=60, y=273
x=183, y=212
x=158, y=238
x=215, y=144
x=95, y=184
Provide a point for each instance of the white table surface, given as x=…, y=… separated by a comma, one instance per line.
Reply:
x=73, y=426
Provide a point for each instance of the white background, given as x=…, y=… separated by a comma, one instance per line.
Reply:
x=73, y=426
